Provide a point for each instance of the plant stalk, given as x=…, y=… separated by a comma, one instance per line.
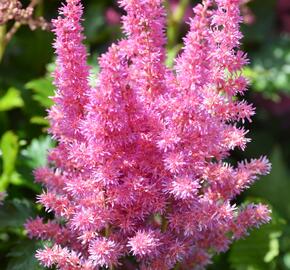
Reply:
x=2, y=40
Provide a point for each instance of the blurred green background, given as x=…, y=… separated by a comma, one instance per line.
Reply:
x=25, y=85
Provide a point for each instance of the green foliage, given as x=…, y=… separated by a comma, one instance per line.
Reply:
x=171, y=54
x=22, y=256
x=270, y=69
x=9, y=148
x=43, y=89
x=94, y=71
x=14, y=213
x=35, y=154
x=286, y=260
x=39, y=120
x=259, y=251
x=12, y=99
x=275, y=187
x=95, y=20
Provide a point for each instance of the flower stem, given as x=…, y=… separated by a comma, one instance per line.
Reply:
x=164, y=224
x=2, y=40
x=177, y=266
x=175, y=20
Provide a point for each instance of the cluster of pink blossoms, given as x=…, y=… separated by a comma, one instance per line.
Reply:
x=139, y=174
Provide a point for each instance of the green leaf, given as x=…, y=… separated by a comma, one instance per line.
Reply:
x=9, y=148
x=275, y=186
x=171, y=55
x=94, y=71
x=94, y=20
x=14, y=213
x=39, y=120
x=12, y=99
x=286, y=260
x=22, y=256
x=43, y=89
x=20, y=180
x=270, y=69
x=33, y=156
x=259, y=250
x=36, y=153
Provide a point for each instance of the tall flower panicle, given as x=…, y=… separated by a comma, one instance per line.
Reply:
x=71, y=74
x=140, y=167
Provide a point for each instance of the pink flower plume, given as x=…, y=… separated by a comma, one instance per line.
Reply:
x=140, y=167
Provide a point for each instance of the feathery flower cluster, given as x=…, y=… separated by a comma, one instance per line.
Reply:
x=140, y=168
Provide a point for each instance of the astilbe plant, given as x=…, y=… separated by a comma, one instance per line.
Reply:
x=139, y=174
